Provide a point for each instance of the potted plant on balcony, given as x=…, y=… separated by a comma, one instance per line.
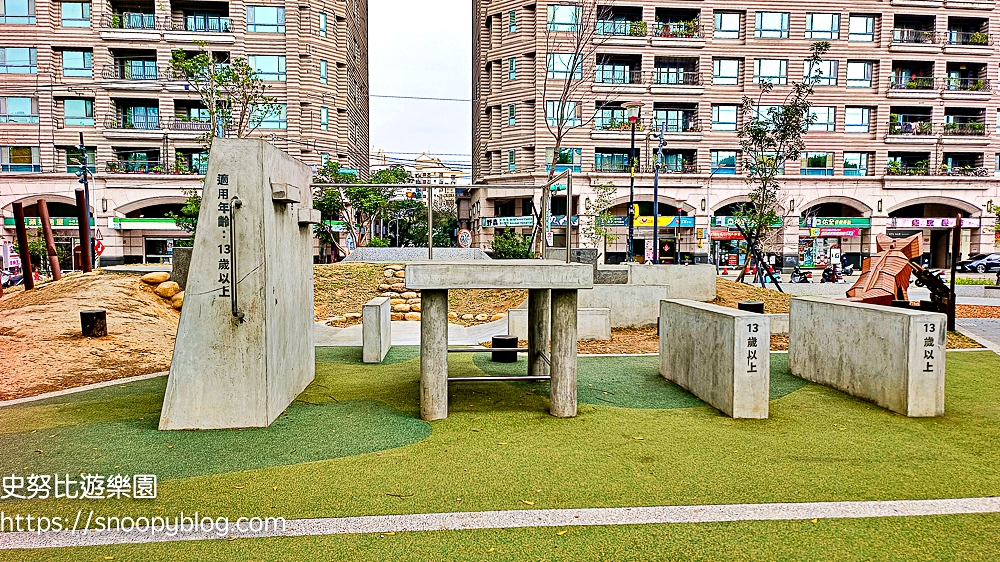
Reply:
x=977, y=85
x=951, y=128
x=156, y=170
x=979, y=38
x=924, y=128
x=638, y=29
x=114, y=167
x=976, y=128
x=895, y=168
x=945, y=170
x=920, y=168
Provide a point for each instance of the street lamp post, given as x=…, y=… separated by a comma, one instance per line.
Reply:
x=656, y=196
x=632, y=108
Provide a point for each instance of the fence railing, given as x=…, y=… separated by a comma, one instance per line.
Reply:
x=973, y=170
x=208, y=24
x=143, y=123
x=621, y=28
x=968, y=84
x=125, y=71
x=911, y=83
x=179, y=124
x=901, y=170
x=970, y=129
x=123, y=166
x=676, y=77
x=911, y=125
x=617, y=76
x=912, y=36
x=131, y=20
x=688, y=124
x=968, y=38
x=677, y=30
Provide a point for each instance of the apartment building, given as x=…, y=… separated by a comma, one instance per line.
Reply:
x=906, y=136
x=100, y=68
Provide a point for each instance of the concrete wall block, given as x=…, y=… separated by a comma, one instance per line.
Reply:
x=593, y=324
x=376, y=329
x=719, y=354
x=697, y=282
x=893, y=357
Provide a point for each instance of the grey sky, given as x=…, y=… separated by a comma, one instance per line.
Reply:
x=421, y=49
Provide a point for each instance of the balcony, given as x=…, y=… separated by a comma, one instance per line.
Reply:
x=674, y=80
x=201, y=27
x=967, y=88
x=897, y=169
x=123, y=166
x=966, y=133
x=687, y=33
x=622, y=31
x=132, y=126
x=618, y=76
x=681, y=125
x=914, y=41
x=910, y=129
x=909, y=85
x=131, y=26
x=970, y=4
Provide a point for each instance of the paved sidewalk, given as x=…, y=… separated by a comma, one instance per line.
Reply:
x=408, y=333
x=984, y=330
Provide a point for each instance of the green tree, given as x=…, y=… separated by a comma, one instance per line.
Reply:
x=188, y=217
x=595, y=230
x=511, y=245
x=358, y=204
x=770, y=138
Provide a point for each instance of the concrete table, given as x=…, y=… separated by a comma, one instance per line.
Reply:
x=552, y=290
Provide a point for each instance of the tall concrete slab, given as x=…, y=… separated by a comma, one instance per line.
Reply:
x=245, y=341
x=719, y=354
x=376, y=329
x=894, y=357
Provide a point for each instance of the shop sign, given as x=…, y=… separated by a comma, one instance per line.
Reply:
x=505, y=222
x=614, y=221
x=897, y=233
x=834, y=232
x=560, y=220
x=666, y=221
x=726, y=235
x=856, y=222
x=337, y=226
x=931, y=222
x=56, y=222
x=728, y=221
x=120, y=223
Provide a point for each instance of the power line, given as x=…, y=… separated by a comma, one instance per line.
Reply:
x=418, y=98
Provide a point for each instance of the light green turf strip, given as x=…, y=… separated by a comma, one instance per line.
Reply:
x=969, y=538
x=499, y=448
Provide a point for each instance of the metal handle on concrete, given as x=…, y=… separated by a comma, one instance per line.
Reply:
x=234, y=204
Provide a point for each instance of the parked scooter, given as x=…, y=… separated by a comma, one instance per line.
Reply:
x=8, y=279
x=799, y=277
x=849, y=269
x=831, y=275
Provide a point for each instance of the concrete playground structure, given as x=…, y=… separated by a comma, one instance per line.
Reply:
x=376, y=329
x=636, y=303
x=592, y=324
x=893, y=357
x=245, y=342
x=552, y=293
x=719, y=354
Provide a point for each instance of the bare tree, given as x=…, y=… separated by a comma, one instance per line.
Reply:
x=573, y=35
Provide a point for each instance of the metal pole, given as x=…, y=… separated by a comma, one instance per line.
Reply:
x=50, y=242
x=956, y=247
x=631, y=199
x=656, y=195
x=82, y=215
x=84, y=171
x=22, y=247
x=569, y=217
x=430, y=222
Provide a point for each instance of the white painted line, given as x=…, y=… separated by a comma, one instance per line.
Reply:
x=533, y=518
x=94, y=386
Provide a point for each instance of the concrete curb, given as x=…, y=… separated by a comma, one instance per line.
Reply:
x=56, y=393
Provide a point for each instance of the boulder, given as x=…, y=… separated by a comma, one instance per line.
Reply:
x=391, y=294
x=401, y=307
x=167, y=289
x=413, y=316
x=397, y=316
x=385, y=287
x=353, y=316
x=156, y=277
x=177, y=301
x=415, y=307
x=396, y=267
x=453, y=316
x=400, y=274
x=408, y=295
x=397, y=301
x=398, y=287
x=482, y=317
x=498, y=316
x=338, y=319
x=412, y=301
x=467, y=317
x=387, y=273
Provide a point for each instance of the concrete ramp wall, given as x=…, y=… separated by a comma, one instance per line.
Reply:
x=719, y=354
x=891, y=356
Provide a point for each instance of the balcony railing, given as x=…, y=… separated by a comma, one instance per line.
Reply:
x=911, y=127
x=896, y=169
x=209, y=25
x=676, y=77
x=133, y=167
x=129, y=72
x=617, y=75
x=970, y=129
x=969, y=38
x=130, y=20
x=967, y=170
x=911, y=83
x=142, y=123
x=688, y=124
x=180, y=124
x=647, y=168
x=679, y=30
x=613, y=124
x=912, y=36
x=621, y=28
x=968, y=84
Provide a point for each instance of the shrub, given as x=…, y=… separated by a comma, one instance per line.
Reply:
x=510, y=245
x=377, y=242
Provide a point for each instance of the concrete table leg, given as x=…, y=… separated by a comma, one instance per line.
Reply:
x=562, y=393
x=434, y=354
x=538, y=331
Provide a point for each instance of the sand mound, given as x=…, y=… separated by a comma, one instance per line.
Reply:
x=41, y=348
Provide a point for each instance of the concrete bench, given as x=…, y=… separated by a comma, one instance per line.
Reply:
x=376, y=329
x=592, y=324
x=719, y=354
x=891, y=356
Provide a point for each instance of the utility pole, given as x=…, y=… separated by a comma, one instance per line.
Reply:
x=82, y=174
x=656, y=196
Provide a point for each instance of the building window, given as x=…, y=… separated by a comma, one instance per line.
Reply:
x=820, y=73
x=727, y=25
x=18, y=11
x=767, y=160
x=78, y=64
x=18, y=110
x=323, y=78
x=74, y=158
x=18, y=60
x=75, y=14
x=726, y=72
x=612, y=162
x=724, y=117
x=857, y=119
x=816, y=164
x=723, y=161
x=772, y=25
x=510, y=114
x=322, y=24
x=859, y=74
x=855, y=163
x=568, y=159
x=511, y=21
x=20, y=159
x=324, y=118
x=511, y=164
x=774, y=71
x=265, y=19
x=822, y=26
x=269, y=68
x=564, y=66
x=563, y=18
x=324, y=157
x=276, y=120
x=861, y=29
x=511, y=68
x=824, y=118
x=570, y=115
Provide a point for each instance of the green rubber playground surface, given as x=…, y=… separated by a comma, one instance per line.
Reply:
x=353, y=444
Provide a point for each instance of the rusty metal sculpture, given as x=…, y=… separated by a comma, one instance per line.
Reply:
x=885, y=277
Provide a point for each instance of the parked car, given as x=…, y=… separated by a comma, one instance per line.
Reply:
x=980, y=263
